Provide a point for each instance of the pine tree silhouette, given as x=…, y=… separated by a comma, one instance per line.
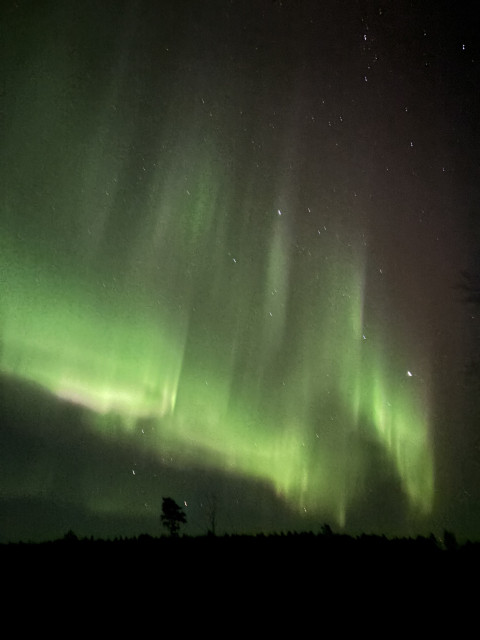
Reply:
x=172, y=516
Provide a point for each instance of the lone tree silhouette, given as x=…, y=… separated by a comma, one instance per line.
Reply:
x=172, y=516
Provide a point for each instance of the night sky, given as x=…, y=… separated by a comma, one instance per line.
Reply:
x=232, y=236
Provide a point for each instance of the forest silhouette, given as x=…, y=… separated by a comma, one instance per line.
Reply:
x=311, y=572
x=325, y=547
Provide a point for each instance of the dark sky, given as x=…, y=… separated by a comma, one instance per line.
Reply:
x=232, y=237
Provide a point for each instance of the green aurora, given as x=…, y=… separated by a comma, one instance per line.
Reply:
x=226, y=248
x=261, y=372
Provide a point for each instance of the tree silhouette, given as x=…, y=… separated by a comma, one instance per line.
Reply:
x=172, y=516
x=211, y=513
x=470, y=285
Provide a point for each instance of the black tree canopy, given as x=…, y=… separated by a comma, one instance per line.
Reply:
x=172, y=516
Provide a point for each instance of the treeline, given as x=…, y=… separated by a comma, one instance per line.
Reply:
x=302, y=565
x=324, y=541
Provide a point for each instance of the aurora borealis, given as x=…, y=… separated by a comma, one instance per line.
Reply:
x=229, y=242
